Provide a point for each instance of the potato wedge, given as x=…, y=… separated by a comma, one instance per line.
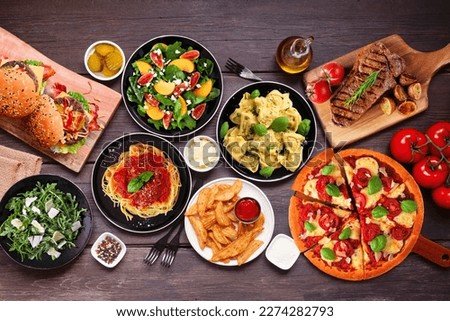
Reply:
x=387, y=105
x=199, y=229
x=251, y=248
x=407, y=107
x=415, y=91
x=399, y=93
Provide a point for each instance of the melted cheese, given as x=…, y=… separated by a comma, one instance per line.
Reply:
x=369, y=163
x=371, y=200
x=342, y=201
x=357, y=259
x=396, y=191
x=406, y=219
x=348, y=171
x=310, y=188
x=392, y=246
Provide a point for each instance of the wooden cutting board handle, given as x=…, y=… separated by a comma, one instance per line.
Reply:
x=434, y=60
x=432, y=251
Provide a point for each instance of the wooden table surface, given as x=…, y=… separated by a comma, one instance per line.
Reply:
x=248, y=31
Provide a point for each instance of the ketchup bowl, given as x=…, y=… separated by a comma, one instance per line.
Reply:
x=247, y=210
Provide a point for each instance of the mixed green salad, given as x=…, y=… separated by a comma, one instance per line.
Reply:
x=171, y=86
x=44, y=220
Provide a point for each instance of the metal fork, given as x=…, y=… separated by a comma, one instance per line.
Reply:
x=172, y=248
x=159, y=246
x=241, y=70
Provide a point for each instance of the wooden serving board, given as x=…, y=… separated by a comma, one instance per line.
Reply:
x=107, y=99
x=423, y=65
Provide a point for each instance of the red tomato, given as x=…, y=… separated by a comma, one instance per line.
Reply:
x=343, y=248
x=333, y=72
x=400, y=233
x=48, y=72
x=307, y=212
x=362, y=177
x=439, y=134
x=409, y=145
x=430, y=172
x=321, y=186
x=393, y=206
x=328, y=221
x=360, y=200
x=441, y=196
x=387, y=183
x=370, y=231
x=318, y=91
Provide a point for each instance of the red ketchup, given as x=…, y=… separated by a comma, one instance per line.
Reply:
x=247, y=210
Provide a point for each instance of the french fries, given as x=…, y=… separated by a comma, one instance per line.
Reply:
x=216, y=227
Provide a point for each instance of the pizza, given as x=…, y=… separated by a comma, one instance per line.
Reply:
x=385, y=222
x=322, y=179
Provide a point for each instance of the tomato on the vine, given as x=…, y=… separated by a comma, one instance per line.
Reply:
x=439, y=134
x=318, y=91
x=409, y=145
x=430, y=172
x=441, y=196
x=333, y=72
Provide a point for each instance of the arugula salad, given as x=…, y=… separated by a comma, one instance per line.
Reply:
x=44, y=220
x=171, y=86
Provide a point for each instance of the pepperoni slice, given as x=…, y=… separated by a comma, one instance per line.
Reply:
x=387, y=183
x=362, y=177
x=343, y=248
x=321, y=186
x=400, y=233
x=393, y=206
x=307, y=212
x=370, y=231
x=360, y=200
x=328, y=220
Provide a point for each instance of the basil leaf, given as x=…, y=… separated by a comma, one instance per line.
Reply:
x=408, y=206
x=379, y=212
x=280, y=124
x=255, y=93
x=260, y=129
x=145, y=176
x=345, y=234
x=327, y=254
x=327, y=170
x=266, y=171
x=134, y=185
x=224, y=130
x=309, y=226
x=304, y=127
x=375, y=185
x=333, y=190
x=378, y=243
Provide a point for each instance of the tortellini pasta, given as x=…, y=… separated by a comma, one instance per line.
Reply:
x=271, y=147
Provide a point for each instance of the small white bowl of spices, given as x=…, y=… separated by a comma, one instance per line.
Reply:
x=108, y=249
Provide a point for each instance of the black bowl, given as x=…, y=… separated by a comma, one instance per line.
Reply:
x=68, y=254
x=111, y=211
x=213, y=106
x=299, y=102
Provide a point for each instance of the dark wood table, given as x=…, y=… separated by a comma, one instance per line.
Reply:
x=248, y=31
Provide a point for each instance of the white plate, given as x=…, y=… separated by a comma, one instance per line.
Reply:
x=248, y=189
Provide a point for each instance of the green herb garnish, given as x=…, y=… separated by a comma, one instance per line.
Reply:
x=375, y=185
x=260, y=129
x=138, y=182
x=280, y=124
x=333, y=190
x=309, y=226
x=408, y=206
x=255, y=93
x=327, y=254
x=378, y=243
x=369, y=82
x=224, y=130
x=345, y=234
x=379, y=212
x=266, y=171
x=327, y=170
x=304, y=127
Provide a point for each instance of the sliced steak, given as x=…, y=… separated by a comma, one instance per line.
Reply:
x=374, y=57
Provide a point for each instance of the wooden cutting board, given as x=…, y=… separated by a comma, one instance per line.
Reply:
x=107, y=99
x=421, y=64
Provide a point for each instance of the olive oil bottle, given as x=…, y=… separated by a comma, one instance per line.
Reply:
x=294, y=54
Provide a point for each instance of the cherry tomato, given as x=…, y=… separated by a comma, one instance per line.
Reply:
x=393, y=206
x=328, y=220
x=430, y=172
x=362, y=177
x=360, y=200
x=318, y=91
x=387, y=183
x=409, y=145
x=343, y=248
x=439, y=134
x=307, y=212
x=441, y=196
x=400, y=233
x=370, y=231
x=333, y=72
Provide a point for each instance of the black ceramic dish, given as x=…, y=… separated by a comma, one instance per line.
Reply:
x=212, y=107
x=299, y=102
x=110, y=156
x=68, y=254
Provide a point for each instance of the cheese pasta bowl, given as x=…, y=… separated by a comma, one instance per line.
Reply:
x=266, y=131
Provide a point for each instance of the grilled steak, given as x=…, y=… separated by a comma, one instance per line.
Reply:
x=375, y=57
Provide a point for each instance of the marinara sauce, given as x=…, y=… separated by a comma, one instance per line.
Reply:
x=247, y=210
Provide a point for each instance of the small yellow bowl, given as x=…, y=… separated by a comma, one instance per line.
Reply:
x=99, y=75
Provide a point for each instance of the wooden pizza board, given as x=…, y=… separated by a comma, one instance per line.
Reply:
x=423, y=65
x=107, y=99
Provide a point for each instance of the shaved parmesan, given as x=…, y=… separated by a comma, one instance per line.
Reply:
x=36, y=210
x=39, y=227
x=53, y=212
x=16, y=223
x=29, y=201
x=48, y=205
x=57, y=236
x=35, y=240
x=53, y=253
x=76, y=226
x=61, y=244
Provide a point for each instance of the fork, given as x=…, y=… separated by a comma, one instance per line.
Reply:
x=172, y=248
x=241, y=70
x=159, y=246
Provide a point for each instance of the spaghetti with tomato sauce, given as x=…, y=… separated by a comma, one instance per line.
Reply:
x=156, y=196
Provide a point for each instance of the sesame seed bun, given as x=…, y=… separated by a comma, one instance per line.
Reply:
x=17, y=93
x=45, y=123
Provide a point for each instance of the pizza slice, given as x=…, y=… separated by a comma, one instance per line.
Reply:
x=310, y=221
x=340, y=254
x=322, y=179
